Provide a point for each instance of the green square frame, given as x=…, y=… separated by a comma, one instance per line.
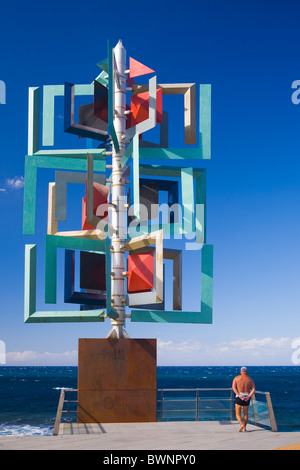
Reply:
x=205, y=313
x=33, y=162
x=33, y=316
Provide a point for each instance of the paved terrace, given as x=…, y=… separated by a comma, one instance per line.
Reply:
x=194, y=435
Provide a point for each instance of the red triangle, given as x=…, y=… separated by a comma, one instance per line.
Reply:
x=138, y=283
x=137, y=68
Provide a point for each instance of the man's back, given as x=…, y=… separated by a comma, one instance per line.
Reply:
x=243, y=383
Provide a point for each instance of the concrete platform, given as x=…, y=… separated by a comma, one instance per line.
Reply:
x=201, y=435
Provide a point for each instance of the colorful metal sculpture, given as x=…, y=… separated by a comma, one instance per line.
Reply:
x=123, y=224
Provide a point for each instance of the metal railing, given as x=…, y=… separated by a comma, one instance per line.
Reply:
x=210, y=404
x=196, y=404
x=60, y=410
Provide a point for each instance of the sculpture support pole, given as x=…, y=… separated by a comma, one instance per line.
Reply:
x=119, y=210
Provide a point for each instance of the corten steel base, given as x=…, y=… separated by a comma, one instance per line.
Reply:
x=116, y=380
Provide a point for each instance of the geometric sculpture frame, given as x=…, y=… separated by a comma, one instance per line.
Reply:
x=52, y=228
x=33, y=316
x=149, y=123
x=78, y=129
x=75, y=161
x=175, y=256
x=191, y=220
x=203, y=151
x=49, y=94
x=202, y=316
x=52, y=243
x=72, y=296
x=61, y=180
x=186, y=89
x=184, y=182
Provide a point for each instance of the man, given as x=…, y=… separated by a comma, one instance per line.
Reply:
x=243, y=387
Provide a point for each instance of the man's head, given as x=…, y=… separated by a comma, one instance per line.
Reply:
x=244, y=370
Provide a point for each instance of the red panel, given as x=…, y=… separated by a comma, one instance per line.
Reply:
x=85, y=225
x=137, y=68
x=140, y=107
x=100, y=195
x=140, y=272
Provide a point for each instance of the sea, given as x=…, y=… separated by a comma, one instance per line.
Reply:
x=29, y=395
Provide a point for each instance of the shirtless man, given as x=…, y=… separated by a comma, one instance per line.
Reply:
x=243, y=387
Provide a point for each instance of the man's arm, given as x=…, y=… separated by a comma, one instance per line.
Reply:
x=252, y=391
x=234, y=387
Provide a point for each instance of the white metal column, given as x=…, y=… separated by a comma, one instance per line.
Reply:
x=119, y=210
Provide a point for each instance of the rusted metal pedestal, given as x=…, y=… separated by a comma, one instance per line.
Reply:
x=116, y=380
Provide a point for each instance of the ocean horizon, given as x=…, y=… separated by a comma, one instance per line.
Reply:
x=29, y=394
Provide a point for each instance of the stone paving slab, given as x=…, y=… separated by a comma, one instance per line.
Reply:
x=201, y=435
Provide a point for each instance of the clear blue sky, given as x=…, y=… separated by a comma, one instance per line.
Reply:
x=249, y=52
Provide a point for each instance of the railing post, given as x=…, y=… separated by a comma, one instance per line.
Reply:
x=161, y=404
x=59, y=412
x=231, y=405
x=271, y=413
x=197, y=404
x=253, y=400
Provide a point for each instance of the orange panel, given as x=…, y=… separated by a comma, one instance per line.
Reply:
x=100, y=195
x=140, y=272
x=140, y=107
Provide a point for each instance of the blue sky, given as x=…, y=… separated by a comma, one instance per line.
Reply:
x=249, y=52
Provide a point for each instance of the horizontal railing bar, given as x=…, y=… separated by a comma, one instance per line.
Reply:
x=201, y=390
x=193, y=389
x=208, y=411
x=178, y=390
x=167, y=400
x=194, y=411
x=182, y=411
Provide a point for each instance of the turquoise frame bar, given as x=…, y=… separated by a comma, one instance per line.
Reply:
x=33, y=120
x=175, y=316
x=111, y=126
